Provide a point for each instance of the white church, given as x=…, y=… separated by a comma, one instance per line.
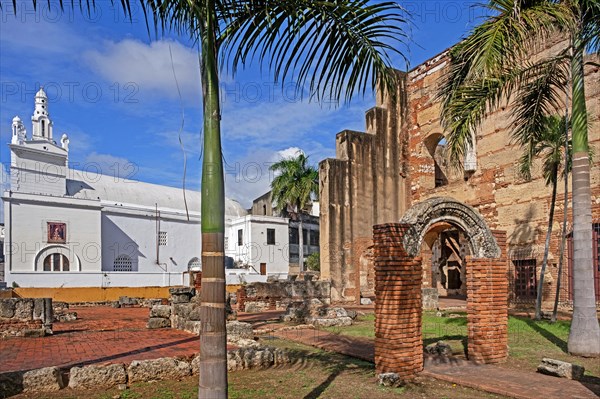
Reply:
x=72, y=228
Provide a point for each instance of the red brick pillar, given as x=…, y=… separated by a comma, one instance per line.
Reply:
x=487, y=309
x=241, y=298
x=398, y=304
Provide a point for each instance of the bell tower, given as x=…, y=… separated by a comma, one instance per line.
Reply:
x=42, y=125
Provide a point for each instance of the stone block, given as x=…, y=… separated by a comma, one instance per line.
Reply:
x=194, y=314
x=389, y=379
x=46, y=379
x=439, y=348
x=560, y=369
x=191, y=291
x=11, y=383
x=94, y=377
x=7, y=307
x=158, y=369
x=239, y=330
x=162, y=311
x=195, y=365
x=158, y=322
x=365, y=301
x=182, y=309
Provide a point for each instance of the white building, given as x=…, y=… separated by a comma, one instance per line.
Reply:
x=72, y=228
x=258, y=244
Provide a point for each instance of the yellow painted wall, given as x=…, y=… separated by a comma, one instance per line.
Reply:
x=233, y=288
x=4, y=294
x=92, y=294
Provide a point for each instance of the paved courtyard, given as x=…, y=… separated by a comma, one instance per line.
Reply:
x=100, y=335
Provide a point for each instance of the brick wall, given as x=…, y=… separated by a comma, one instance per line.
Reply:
x=487, y=310
x=398, y=304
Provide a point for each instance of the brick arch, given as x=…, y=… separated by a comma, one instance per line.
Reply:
x=423, y=215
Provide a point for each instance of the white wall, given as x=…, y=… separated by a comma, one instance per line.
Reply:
x=255, y=249
x=134, y=233
x=26, y=242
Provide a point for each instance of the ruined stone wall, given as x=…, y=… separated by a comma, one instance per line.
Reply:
x=378, y=175
x=506, y=201
x=28, y=317
x=277, y=295
x=363, y=186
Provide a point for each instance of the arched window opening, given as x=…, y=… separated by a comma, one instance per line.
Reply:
x=436, y=147
x=56, y=263
x=43, y=128
x=122, y=264
x=194, y=264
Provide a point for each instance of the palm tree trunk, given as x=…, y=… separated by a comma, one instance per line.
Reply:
x=301, y=243
x=213, y=336
x=540, y=288
x=584, y=336
x=563, y=238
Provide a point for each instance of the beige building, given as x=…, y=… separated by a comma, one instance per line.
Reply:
x=399, y=162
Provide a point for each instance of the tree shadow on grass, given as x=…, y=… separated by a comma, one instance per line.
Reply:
x=558, y=342
x=335, y=363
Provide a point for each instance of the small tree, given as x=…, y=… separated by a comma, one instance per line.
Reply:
x=294, y=187
x=313, y=262
x=549, y=144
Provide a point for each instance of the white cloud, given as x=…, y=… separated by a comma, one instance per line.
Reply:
x=250, y=177
x=149, y=67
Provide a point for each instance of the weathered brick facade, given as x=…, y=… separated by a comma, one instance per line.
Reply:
x=398, y=306
x=378, y=175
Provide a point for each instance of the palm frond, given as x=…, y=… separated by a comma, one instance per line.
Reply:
x=333, y=48
x=540, y=94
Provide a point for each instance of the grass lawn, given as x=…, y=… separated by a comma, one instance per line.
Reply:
x=318, y=374
x=528, y=340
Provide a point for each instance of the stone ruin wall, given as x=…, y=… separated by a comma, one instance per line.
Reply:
x=277, y=295
x=377, y=175
x=364, y=185
x=26, y=317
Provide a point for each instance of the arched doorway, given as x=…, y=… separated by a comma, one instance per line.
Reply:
x=399, y=277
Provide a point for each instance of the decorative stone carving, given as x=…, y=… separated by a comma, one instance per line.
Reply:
x=421, y=216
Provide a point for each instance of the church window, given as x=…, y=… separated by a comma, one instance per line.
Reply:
x=122, y=264
x=194, y=263
x=240, y=237
x=270, y=236
x=56, y=263
x=43, y=128
x=162, y=238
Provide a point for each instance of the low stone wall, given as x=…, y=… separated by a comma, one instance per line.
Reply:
x=106, y=376
x=26, y=317
x=183, y=312
x=277, y=295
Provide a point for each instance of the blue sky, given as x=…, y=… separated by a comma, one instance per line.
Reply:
x=112, y=89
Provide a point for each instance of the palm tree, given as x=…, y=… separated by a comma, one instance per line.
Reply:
x=334, y=48
x=294, y=187
x=492, y=64
x=548, y=144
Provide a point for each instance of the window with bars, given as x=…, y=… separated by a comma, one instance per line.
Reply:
x=56, y=263
x=122, y=264
x=525, y=279
x=162, y=238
